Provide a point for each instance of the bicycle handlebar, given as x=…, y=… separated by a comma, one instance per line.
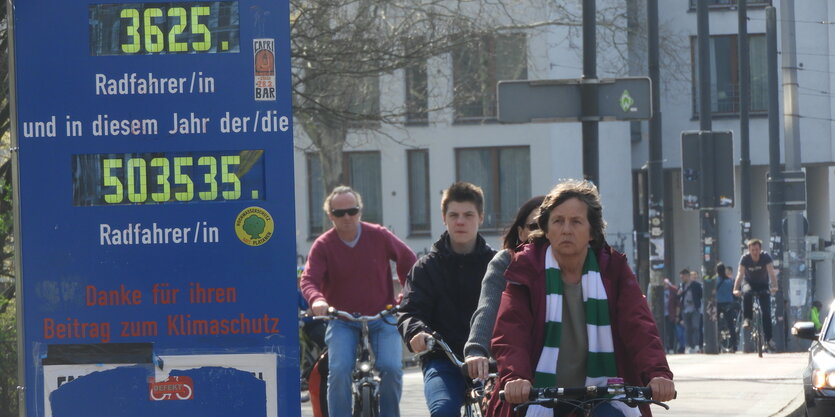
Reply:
x=333, y=313
x=435, y=340
x=589, y=392
x=627, y=394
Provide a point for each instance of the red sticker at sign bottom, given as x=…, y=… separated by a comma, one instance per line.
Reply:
x=173, y=388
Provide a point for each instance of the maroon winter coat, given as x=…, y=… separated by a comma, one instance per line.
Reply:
x=519, y=334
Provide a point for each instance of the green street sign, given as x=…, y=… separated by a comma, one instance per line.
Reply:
x=628, y=98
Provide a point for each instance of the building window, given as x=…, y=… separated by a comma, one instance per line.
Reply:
x=504, y=173
x=362, y=172
x=364, y=101
x=477, y=67
x=418, y=166
x=417, y=94
x=724, y=74
x=728, y=3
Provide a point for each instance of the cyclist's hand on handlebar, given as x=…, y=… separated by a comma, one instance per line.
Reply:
x=773, y=290
x=517, y=391
x=418, y=342
x=477, y=367
x=663, y=389
x=319, y=308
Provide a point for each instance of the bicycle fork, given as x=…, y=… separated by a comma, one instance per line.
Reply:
x=366, y=374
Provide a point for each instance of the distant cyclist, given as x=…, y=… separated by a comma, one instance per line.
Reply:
x=756, y=269
x=349, y=268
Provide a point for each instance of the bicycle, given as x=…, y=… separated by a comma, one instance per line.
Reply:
x=311, y=352
x=756, y=328
x=476, y=392
x=366, y=377
x=586, y=399
x=726, y=333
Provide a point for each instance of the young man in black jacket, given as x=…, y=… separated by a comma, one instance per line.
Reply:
x=441, y=294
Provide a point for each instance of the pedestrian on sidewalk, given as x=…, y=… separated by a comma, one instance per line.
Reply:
x=441, y=294
x=477, y=349
x=349, y=268
x=726, y=303
x=690, y=297
x=573, y=314
x=671, y=313
x=815, y=315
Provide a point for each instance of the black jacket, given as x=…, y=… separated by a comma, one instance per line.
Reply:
x=696, y=288
x=441, y=293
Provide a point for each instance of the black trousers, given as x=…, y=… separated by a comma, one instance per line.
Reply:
x=729, y=312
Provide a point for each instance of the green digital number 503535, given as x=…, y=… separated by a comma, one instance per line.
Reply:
x=136, y=171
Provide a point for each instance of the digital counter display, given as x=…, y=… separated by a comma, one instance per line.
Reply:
x=167, y=177
x=164, y=28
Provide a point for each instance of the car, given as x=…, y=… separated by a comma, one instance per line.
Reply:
x=819, y=374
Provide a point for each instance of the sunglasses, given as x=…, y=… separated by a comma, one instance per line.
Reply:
x=349, y=211
x=532, y=226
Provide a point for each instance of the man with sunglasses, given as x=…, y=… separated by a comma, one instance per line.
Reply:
x=442, y=293
x=348, y=268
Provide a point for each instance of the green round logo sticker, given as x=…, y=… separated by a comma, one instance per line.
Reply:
x=254, y=226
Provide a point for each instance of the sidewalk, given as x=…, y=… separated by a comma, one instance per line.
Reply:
x=736, y=385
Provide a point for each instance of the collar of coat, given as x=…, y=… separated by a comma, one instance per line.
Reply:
x=529, y=262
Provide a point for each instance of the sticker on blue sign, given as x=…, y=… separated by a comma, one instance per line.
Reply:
x=264, y=53
x=187, y=382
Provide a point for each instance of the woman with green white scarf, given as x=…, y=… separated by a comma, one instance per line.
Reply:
x=572, y=313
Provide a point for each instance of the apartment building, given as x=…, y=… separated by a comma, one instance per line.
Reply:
x=401, y=169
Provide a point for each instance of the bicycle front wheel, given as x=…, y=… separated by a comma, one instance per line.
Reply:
x=758, y=334
x=368, y=406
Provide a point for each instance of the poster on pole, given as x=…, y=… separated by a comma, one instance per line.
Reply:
x=155, y=233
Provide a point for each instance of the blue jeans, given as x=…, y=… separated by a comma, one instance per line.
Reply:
x=680, y=338
x=443, y=388
x=692, y=327
x=342, y=338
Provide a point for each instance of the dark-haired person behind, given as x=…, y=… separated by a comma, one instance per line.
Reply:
x=477, y=349
x=572, y=313
x=441, y=293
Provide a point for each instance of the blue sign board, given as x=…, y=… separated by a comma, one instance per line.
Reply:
x=156, y=236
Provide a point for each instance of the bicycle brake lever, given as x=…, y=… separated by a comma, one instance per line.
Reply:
x=545, y=402
x=659, y=403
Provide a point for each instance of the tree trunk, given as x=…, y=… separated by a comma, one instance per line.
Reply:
x=329, y=138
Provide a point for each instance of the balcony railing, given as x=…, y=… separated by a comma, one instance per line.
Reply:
x=726, y=101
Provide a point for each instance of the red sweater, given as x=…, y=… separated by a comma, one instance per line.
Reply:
x=358, y=279
x=519, y=334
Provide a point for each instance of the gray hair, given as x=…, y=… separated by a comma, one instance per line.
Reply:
x=342, y=189
x=584, y=191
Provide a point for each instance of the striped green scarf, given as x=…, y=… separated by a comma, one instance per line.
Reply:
x=601, y=354
x=601, y=359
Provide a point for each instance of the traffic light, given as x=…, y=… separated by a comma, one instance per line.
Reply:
x=787, y=190
x=707, y=170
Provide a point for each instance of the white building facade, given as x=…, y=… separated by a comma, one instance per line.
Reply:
x=402, y=170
